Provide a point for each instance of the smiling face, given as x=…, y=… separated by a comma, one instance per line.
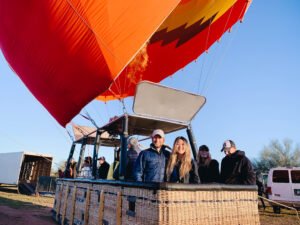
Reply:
x=180, y=146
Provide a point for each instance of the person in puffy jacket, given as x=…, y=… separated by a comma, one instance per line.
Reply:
x=150, y=165
x=181, y=168
x=236, y=168
x=131, y=156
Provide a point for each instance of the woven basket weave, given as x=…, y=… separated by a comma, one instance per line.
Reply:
x=84, y=202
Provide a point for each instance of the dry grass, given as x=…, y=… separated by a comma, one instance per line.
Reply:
x=286, y=217
x=10, y=197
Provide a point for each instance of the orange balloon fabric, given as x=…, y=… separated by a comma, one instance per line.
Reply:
x=188, y=32
x=68, y=52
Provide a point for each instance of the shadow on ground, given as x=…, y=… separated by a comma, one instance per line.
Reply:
x=18, y=203
x=9, y=189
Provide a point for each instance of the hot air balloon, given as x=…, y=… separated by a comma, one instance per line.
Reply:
x=70, y=52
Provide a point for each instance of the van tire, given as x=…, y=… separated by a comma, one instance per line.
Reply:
x=276, y=209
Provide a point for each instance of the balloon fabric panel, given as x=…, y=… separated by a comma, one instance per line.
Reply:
x=68, y=52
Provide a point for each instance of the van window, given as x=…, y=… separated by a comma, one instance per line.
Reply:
x=295, y=176
x=281, y=176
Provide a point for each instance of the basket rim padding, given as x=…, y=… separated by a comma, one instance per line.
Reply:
x=166, y=186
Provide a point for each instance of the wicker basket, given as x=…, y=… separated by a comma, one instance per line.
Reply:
x=90, y=202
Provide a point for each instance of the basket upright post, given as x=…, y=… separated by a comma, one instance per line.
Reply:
x=124, y=137
x=70, y=157
x=192, y=141
x=81, y=154
x=95, y=154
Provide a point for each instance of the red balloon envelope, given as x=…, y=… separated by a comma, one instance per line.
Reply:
x=68, y=52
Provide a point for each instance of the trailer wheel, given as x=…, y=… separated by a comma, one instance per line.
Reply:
x=276, y=209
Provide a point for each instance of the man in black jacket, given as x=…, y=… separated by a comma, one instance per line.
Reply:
x=236, y=168
x=103, y=168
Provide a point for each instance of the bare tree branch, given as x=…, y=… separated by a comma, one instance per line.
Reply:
x=277, y=154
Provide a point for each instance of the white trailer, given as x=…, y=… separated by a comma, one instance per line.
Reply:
x=23, y=169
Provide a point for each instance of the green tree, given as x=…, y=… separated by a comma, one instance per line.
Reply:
x=278, y=154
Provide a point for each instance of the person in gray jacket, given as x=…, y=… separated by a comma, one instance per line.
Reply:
x=150, y=165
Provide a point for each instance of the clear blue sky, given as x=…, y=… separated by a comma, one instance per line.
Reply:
x=251, y=80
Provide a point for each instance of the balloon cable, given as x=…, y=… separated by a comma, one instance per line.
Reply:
x=124, y=107
x=206, y=43
x=206, y=77
x=229, y=43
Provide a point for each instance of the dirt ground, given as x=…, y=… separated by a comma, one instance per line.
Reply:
x=286, y=217
x=24, y=216
x=16, y=209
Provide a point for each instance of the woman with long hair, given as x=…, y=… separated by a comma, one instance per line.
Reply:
x=181, y=168
x=208, y=168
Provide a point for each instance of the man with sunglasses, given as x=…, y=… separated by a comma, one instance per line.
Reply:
x=151, y=163
x=236, y=168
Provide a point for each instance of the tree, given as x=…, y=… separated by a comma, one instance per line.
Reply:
x=277, y=154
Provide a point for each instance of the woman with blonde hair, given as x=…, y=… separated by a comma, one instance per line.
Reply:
x=181, y=168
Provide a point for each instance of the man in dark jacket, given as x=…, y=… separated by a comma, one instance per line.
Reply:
x=103, y=168
x=151, y=163
x=260, y=187
x=236, y=168
x=131, y=155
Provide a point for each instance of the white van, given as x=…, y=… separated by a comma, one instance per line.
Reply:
x=284, y=186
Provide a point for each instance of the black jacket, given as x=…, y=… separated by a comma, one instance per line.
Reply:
x=209, y=173
x=103, y=170
x=259, y=183
x=190, y=178
x=237, y=169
